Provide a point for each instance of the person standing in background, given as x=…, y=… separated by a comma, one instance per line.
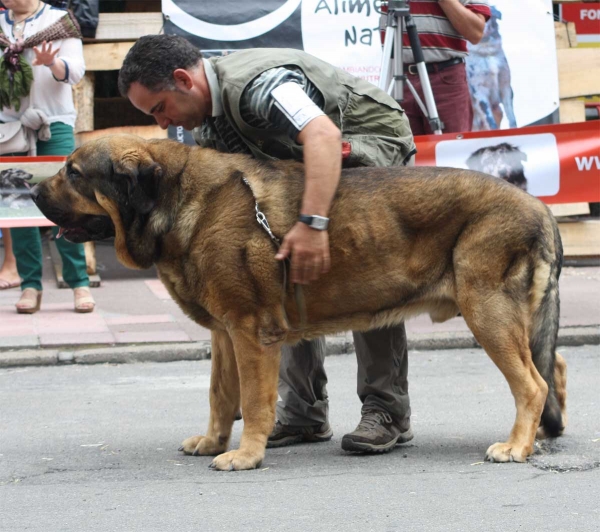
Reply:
x=42, y=57
x=444, y=27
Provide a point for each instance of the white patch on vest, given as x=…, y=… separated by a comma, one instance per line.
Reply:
x=295, y=104
x=228, y=32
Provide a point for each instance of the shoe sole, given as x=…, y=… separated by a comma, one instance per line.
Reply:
x=405, y=437
x=348, y=444
x=300, y=438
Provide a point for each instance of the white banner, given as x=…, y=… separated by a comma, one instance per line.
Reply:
x=513, y=72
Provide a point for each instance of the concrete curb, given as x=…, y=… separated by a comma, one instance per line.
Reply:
x=568, y=336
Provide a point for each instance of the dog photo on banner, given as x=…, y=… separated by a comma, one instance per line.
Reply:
x=512, y=72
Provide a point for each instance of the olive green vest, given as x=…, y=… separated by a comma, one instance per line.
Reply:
x=370, y=120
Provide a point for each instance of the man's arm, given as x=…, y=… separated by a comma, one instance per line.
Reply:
x=309, y=248
x=468, y=23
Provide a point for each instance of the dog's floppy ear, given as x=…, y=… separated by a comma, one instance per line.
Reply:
x=142, y=175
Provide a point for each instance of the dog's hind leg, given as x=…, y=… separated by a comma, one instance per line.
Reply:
x=224, y=399
x=258, y=367
x=499, y=325
x=545, y=310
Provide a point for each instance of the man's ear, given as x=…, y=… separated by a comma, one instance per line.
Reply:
x=142, y=175
x=183, y=78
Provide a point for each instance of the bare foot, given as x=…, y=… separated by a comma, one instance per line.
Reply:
x=9, y=278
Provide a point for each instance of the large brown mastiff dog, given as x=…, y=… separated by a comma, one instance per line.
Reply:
x=404, y=241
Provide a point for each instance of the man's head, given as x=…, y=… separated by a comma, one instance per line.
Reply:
x=163, y=76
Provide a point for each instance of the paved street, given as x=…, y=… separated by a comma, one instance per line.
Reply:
x=94, y=448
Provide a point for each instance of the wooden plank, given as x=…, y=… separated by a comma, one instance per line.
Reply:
x=566, y=35
x=105, y=56
x=581, y=238
x=578, y=72
x=572, y=110
x=127, y=26
x=83, y=98
x=570, y=209
x=147, y=132
x=142, y=5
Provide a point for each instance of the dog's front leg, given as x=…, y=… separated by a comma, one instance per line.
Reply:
x=224, y=399
x=258, y=367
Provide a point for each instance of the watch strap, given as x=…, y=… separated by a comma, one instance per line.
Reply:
x=320, y=223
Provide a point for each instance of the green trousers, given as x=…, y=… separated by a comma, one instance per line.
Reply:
x=27, y=242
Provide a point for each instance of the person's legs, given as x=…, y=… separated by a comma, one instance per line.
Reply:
x=416, y=118
x=73, y=258
x=383, y=389
x=302, y=411
x=27, y=247
x=9, y=276
x=452, y=101
x=62, y=142
x=452, y=98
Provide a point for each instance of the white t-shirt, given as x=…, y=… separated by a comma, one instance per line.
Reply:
x=54, y=98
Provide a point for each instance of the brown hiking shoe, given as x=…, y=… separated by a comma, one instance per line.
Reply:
x=283, y=435
x=376, y=433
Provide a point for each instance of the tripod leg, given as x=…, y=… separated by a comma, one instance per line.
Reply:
x=386, y=65
x=415, y=44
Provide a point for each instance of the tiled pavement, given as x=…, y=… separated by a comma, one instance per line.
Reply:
x=131, y=308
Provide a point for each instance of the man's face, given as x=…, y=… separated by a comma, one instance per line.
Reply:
x=179, y=107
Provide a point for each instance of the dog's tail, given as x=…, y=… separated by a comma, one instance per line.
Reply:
x=544, y=327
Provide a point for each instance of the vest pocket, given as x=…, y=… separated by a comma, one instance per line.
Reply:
x=372, y=150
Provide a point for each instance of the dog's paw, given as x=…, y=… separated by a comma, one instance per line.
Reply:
x=507, y=452
x=236, y=461
x=202, y=446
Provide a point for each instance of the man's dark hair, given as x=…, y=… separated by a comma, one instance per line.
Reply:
x=153, y=59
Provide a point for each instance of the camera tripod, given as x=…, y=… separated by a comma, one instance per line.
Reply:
x=395, y=14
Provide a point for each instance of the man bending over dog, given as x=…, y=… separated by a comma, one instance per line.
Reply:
x=286, y=104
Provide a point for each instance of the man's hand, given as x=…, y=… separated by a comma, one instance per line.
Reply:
x=309, y=251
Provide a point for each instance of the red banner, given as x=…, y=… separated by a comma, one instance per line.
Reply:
x=586, y=17
x=558, y=163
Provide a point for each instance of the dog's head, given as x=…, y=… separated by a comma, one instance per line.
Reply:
x=14, y=179
x=502, y=160
x=492, y=29
x=108, y=187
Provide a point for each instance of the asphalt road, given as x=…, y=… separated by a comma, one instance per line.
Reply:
x=94, y=448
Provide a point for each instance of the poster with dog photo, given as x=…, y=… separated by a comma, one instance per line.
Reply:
x=18, y=175
x=530, y=162
x=513, y=71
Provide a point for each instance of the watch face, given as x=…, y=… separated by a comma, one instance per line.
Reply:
x=319, y=223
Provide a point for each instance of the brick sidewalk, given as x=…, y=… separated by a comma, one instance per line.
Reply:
x=133, y=307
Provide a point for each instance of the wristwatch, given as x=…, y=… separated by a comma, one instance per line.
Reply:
x=320, y=223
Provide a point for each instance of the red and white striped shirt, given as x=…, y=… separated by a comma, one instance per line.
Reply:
x=440, y=41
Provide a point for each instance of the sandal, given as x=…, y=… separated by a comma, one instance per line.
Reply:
x=84, y=302
x=30, y=301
